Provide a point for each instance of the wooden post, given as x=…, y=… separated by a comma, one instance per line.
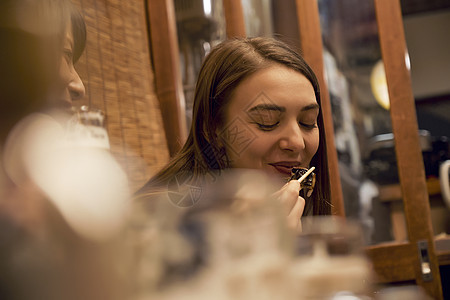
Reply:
x=234, y=17
x=311, y=43
x=169, y=89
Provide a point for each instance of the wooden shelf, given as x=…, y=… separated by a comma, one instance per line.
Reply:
x=393, y=192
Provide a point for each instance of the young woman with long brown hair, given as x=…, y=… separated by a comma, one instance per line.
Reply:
x=256, y=106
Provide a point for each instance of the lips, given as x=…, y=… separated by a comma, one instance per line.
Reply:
x=285, y=168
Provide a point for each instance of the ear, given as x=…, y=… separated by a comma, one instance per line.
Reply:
x=218, y=137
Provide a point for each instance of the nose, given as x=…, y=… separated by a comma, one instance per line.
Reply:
x=76, y=87
x=292, y=138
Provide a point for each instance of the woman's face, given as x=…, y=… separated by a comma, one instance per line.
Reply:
x=271, y=122
x=70, y=87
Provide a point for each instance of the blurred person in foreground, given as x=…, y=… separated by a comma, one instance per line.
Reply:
x=47, y=251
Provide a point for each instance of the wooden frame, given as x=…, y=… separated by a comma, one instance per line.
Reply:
x=408, y=152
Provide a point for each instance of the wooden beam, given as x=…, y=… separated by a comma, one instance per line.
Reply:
x=406, y=134
x=165, y=54
x=311, y=42
x=234, y=17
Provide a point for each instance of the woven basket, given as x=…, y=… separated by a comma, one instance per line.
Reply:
x=119, y=80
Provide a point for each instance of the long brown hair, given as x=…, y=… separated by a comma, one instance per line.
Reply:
x=222, y=71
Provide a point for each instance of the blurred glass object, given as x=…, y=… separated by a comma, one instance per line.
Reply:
x=87, y=128
x=233, y=243
x=409, y=292
x=67, y=157
x=200, y=26
x=331, y=260
x=444, y=181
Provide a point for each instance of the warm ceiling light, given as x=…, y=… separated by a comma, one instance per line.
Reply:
x=379, y=85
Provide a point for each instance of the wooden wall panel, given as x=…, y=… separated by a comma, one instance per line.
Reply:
x=117, y=72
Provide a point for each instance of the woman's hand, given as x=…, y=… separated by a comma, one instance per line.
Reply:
x=289, y=197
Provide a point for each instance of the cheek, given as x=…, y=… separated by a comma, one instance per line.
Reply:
x=237, y=138
x=255, y=153
x=64, y=73
x=262, y=145
x=312, y=142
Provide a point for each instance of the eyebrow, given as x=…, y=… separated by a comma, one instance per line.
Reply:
x=311, y=107
x=274, y=107
x=267, y=107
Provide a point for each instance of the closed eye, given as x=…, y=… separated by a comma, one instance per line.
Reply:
x=68, y=55
x=308, y=126
x=267, y=127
